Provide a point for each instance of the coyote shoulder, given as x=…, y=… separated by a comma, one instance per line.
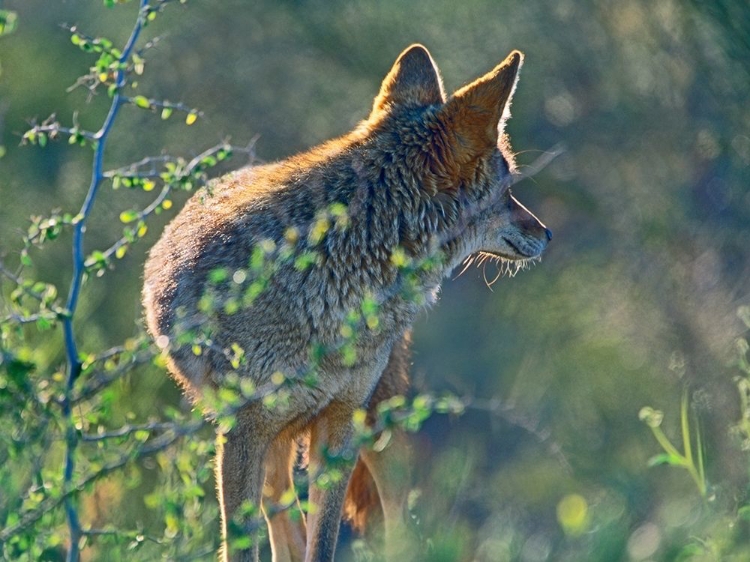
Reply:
x=300, y=280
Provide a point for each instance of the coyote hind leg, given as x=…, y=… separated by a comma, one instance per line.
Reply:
x=391, y=471
x=382, y=480
x=286, y=530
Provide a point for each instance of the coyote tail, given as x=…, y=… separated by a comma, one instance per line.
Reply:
x=362, y=505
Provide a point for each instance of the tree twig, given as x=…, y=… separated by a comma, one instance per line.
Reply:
x=71, y=349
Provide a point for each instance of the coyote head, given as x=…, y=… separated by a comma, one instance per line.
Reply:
x=457, y=152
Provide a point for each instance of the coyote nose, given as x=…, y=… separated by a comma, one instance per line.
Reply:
x=548, y=232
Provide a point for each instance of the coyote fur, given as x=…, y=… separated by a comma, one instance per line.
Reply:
x=304, y=277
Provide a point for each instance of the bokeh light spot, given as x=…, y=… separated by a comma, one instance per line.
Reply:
x=573, y=514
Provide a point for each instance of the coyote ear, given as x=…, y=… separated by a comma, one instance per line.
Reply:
x=414, y=80
x=476, y=111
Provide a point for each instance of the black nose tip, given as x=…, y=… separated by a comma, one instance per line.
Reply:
x=549, y=233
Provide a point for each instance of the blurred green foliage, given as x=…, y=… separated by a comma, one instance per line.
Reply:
x=634, y=302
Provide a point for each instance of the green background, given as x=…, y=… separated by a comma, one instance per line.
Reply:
x=635, y=299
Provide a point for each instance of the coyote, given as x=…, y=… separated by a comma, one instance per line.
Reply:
x=297, y=283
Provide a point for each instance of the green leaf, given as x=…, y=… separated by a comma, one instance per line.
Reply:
x=97, y=260
x=242, y=543
x=166, y=112
x=142, y=101
x=138, y=65
x=218, y=275
x=8, y=22
x=664, y=458
x=128, y=216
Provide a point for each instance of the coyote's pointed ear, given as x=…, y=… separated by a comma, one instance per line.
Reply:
x=414, y=80
x=475, y=112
